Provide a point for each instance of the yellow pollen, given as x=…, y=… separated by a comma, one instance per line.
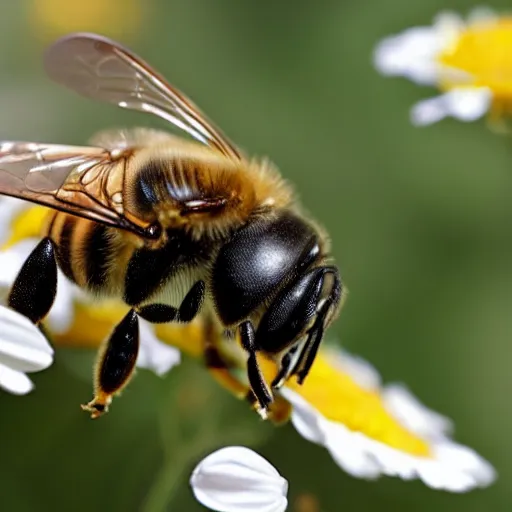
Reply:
x=484, y=51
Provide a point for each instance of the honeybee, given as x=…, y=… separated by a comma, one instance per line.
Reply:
x=174, y=227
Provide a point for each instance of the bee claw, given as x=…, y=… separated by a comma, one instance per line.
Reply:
x=97, y=406
x=262, y=412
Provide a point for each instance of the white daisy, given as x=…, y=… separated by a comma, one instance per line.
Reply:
x=236, y=479
x=23, y=349
x=468, y=60
x=426, y=451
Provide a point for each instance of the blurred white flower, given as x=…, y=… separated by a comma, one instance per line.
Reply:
x=470, y=61
x=236, y=479
x=23, y=348
x=429, y=454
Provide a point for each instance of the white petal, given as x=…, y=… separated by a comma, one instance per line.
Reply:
x=464, y=459
x=356, y=367
x=413, y=415
x=305, y=418
x=392, y=462
x=411, y=54
x=448, y=25
x=349, y=451
x=15, y=382
x=153, y=354
x=22, y=345
x=236, y=479
x=464, y=103
x=12, y=259
x=62, y=313
x=469, y=103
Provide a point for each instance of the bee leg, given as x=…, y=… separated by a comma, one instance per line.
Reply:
x=35, y=287
x=115, y=365
x=316, y=333
x=220, y=368
x=163, y=313
x=259, y=387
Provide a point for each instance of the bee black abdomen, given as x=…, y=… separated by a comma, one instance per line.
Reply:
x=97, y=253
x=258, y=261
x=64, y=245
x=88, y=253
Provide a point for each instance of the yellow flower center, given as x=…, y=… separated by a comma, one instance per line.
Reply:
x=484, y=51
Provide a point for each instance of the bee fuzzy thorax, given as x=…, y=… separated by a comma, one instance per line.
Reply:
x=188, y=186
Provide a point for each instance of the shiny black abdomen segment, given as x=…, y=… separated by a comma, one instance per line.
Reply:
x=259, y=258
x=149, y=269
x=96, y=254
x=63, y=247
x=290, y=313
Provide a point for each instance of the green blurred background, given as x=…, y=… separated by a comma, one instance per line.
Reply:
x=421, y=227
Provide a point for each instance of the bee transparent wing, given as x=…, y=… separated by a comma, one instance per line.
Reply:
x=99, y=68
x=72, y=179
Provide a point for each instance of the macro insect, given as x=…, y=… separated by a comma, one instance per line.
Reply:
x=174, y=227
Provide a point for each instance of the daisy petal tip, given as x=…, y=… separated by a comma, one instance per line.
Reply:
x=23, y=346
x=429, y=111
x=236, y=479
x=14, y=382
x=467, y=462
x=411, y=413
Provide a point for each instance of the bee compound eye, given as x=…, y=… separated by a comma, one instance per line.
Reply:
x=154, y=231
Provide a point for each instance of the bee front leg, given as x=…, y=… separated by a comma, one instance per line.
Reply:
x=221, y=369
x=35, y=287
x=115, y=365
x=117, y=358
x=258, y=384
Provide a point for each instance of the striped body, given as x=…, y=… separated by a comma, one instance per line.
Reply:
x=107, y=262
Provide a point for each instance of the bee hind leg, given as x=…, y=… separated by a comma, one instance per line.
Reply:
x=116, y=363
x=34, y=289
